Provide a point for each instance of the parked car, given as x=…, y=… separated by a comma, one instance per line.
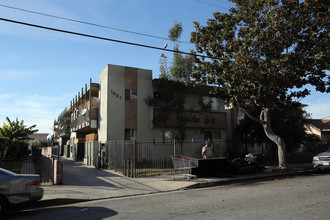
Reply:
x=322, y=161
x=18, y=188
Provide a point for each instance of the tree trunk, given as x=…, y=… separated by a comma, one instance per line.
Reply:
x=264, y=120
x=281, y=148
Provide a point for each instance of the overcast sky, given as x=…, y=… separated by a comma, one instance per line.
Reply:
x=42, y=70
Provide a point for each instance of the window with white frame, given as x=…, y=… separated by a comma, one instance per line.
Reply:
x=167, y=136
x=130, y=134
x=130, y=94
x=213, y=102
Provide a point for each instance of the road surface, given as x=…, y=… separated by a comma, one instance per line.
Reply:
x=306, y=197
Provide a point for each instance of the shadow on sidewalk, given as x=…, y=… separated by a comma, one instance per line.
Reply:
x=76, y=173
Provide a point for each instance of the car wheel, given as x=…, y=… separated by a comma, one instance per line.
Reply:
x=3, y=206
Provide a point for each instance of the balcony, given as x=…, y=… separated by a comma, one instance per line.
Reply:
x=86, y=121
x=64, y=131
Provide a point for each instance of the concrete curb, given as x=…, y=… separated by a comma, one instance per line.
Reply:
x=229, y=181
x=208, y=183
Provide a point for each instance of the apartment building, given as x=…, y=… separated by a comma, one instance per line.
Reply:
x=127, y=104
x=78, y=121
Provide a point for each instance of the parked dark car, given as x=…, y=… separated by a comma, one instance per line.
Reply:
x=18, y=188
x=322, y=161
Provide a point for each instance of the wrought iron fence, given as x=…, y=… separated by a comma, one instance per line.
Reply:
x=56, y=151
x=115, y=155
x=31, y=165
x=143, y=158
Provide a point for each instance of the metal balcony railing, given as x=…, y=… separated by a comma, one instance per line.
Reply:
x=84, y=120
x=65, y=130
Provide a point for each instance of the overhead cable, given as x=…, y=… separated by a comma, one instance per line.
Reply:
x=210, y=4
x=101, y=38
x=89, y=23
x=316, y=98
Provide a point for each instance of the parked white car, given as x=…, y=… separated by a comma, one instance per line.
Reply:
x=322, y=161
x=18, y=188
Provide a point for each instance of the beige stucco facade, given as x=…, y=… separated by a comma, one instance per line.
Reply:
x=112, y=103
x=144, y=131
x=116, y=113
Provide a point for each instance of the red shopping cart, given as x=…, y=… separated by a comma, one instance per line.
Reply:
x=183, y=163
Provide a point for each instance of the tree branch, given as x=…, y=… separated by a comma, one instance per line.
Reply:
x=254, y=118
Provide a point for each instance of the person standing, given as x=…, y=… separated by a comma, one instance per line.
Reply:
x=207, y=151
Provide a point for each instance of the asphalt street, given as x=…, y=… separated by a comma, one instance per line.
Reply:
x=303, y=197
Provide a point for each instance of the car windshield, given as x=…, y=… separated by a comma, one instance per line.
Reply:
x=7, y=172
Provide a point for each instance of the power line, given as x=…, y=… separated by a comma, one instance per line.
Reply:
x=210, y=4
x=316, y=98
x=101, y=38
x=89, y=23
x=323, y=112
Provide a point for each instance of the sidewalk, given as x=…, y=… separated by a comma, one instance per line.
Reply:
x=84, y=183
x=88, y=183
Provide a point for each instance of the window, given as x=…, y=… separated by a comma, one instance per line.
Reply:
x=167, y=136
x=130, y=134
x=213, y=102
x=134, y=94
x=133, y=133
x=127, y=134
x=127, y=94
x=130, y=94
x=208, y=135
x=156, y=95
x=212, y=135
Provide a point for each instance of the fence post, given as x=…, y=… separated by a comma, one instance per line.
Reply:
x=135, y=158
x=174, y=146
x=124, y=171
x=115, y=158
x=123, y=150
x=128, y=168
x=131, y=170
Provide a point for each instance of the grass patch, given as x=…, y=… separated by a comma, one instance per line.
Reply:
x=152, y=171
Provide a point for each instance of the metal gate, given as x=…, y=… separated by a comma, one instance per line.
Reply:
x=44, y=166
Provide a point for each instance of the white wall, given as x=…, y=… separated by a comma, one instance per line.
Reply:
x=112, y=103
x=103, y=96
x=116, y=103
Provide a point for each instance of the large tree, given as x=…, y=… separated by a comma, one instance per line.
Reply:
x=15, y=133
x=265, y=52
x=181, y=66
